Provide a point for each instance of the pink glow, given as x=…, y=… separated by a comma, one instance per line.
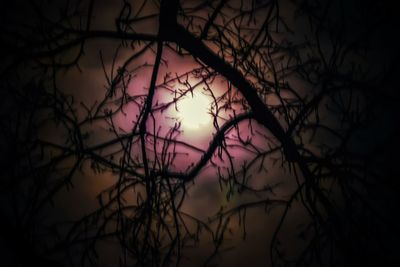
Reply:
x=167, y=121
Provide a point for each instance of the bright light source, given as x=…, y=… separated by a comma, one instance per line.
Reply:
x=194, y=111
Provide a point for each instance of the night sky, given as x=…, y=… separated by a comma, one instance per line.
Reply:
x=199, y=133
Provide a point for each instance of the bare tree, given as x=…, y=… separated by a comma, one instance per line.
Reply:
x=301, y=85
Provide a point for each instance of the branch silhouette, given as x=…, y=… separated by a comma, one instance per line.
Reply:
x=295, y=87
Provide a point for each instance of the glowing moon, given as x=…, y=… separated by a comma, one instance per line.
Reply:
x=194, y=111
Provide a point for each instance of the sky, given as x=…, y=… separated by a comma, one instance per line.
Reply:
x=86, y=84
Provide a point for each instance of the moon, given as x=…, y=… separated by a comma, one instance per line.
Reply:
x=194, y=111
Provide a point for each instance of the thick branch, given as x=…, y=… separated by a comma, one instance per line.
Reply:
x=261, y=112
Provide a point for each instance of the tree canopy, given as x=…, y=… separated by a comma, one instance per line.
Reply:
x=300, y=136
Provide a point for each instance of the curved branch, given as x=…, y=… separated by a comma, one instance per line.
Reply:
x=215, y=143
